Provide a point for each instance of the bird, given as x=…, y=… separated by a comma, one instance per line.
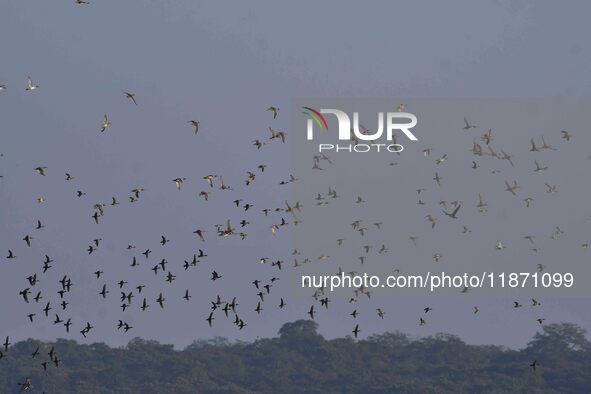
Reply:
x=482, y=206
x=507, y=157
x=136, y=192
x=227, y=231
x=30, y=85
x=533, y=146
x=565, y=135
x=437, y=179
x=311, y=312
x=195, y=125
x=105, y=123
x=441, y=159
x=25, y=294
x=454, y=213
x=160, y=300
x=534, y=365
x=86, y=329
x=527, y=201
x=551, y=188
x=130, y=96
x=380, y=313
x=431, y=220
x=26, y=385
x=513, y=188
x=40, y=170
x=467, y=125
x=356, y=330
x=275, y=111
x=539, y=168
x=487, y=137
x=258, y=309
x=178, y=182
x=104, y=291
x=200, y=233
x=476, y=149
x=277, y=135
x=209, y=179
x=27, y=240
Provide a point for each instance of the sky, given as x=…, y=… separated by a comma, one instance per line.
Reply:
x=224, y=64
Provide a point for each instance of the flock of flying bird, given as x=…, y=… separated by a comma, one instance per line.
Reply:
x=481, y=147
x=53, y=304
x=49, y=307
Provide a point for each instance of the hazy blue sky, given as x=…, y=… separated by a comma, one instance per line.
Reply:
x=224, y=64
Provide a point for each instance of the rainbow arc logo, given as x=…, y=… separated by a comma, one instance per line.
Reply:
x=317, y=117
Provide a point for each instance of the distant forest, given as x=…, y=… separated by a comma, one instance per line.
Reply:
x=299, y=360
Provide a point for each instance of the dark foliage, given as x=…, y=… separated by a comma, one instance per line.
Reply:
x=302, y=361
